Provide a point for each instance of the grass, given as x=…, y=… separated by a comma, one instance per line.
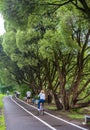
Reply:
x=2, y=121
x=78, y=115
x=75, y=116
x=50, y=107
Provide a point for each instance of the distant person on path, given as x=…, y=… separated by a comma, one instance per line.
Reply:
x=41, y=98
x=28, y=94
x=7, y=92
x=17, y=94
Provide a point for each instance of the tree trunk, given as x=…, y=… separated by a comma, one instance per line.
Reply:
x=57, y=102
x=65, y=101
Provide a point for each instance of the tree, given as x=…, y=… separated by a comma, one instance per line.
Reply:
x=66, y=48
x=50, y=51
x=18, y=11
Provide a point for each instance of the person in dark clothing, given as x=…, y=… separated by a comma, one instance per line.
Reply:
x=49, y=98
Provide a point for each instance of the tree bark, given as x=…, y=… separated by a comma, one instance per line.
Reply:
x=57, y=102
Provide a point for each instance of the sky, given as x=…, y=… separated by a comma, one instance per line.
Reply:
x=2, y=30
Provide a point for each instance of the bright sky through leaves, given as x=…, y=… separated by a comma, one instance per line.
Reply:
x=2, y=30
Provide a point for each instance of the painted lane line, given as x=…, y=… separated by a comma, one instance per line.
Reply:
x=34, y=115
x=82, y=128
x=66, y=121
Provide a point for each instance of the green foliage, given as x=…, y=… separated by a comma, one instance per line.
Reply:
x=16, y=11
x=50, y=49
x=2, y=121
x=23, y=89
x=9, y=43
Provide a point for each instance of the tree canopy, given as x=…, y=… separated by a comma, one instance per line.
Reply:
x=47, y=45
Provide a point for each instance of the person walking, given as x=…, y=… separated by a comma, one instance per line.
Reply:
x=7, y=92
x=28, y=94
x=41, y=98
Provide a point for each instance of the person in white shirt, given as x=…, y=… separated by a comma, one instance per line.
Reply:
x=41, y=98
x=28, y=94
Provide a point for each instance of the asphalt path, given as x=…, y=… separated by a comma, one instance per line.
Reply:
x=22, y=116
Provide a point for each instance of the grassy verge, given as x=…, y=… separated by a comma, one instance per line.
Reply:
x=76, y=116
x=2, y=121
x=70, y=114
x=50, y=107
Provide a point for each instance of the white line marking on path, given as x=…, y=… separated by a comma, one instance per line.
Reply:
x=82, y=128
x=34, y=115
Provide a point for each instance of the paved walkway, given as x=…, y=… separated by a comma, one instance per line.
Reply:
x=18, y=119
x=25, y=118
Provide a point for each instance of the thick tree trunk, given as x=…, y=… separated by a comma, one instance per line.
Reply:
x=57, y=102
x=62, y=78
x=65, y=100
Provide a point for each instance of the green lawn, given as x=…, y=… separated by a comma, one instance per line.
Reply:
x=76, y=116
x=2, y=121
x=71, y=114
